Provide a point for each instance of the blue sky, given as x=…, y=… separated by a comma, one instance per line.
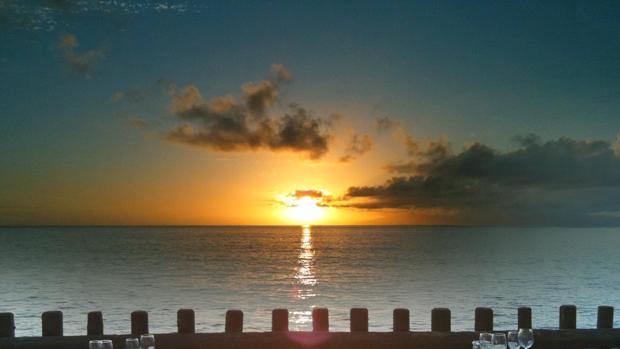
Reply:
x=463, y=72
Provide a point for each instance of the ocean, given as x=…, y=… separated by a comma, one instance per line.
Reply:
x=117, y=270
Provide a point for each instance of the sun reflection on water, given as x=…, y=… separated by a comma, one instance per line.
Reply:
x=304, y=276
x=305, y=279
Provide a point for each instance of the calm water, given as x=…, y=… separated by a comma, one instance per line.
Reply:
x=256, y=269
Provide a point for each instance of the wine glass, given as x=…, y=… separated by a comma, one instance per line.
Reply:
x=486, y=340
x=526, y=337
x=106, y=344
x=499, y=341
x=147, y=341
x=94, y=344
x=132, y=343
x=513, y=341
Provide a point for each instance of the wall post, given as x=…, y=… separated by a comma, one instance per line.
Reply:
x=94, y=324
x=51, y=324
x=139, y=322
x=441, y=320
x=401, y=320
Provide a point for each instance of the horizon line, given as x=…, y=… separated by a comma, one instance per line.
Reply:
x=525, y=225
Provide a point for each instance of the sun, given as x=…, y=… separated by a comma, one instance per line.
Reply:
x=304, y=210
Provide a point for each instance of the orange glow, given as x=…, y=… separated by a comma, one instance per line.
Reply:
x=304, y=211
x=235, y=194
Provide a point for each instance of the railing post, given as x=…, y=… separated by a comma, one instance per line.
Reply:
x=440, y=320
x=568, y=317
x=359, y=320
x=94, y=324
x=605, y=317
x=524, y=317
x=186, y=321
x=7, y=325
x=234, y=321
x=279, y=320
x=320, y=320
x=484, y=319
x=139, y=322
x=51, y=323
x=401, y=320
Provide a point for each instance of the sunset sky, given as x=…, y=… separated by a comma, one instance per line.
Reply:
x=404, y=112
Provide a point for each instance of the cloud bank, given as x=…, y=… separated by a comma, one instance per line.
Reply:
x=562, y=181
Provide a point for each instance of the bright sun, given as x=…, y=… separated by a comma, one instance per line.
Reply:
x=304, y=210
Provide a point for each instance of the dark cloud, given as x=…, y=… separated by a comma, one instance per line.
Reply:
x=359, y=144
x=225, y=123
x=259, y=96
x=299, y=131
x=296, y=131
x=562, y=181
x=79, y=62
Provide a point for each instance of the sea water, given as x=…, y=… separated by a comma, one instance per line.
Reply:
x=117, y=270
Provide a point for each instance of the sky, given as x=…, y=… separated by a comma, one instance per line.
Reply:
x=256, y=112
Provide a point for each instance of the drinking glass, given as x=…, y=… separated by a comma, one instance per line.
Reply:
x=526, y=337
x=106, y=344
x=513, y=341
x=94, y=344
x=499, y=341
x=132, y=343
x=475, y=345
x=147, y=341
x=486, y=340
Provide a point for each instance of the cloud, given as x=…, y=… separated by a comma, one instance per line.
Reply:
x=59, y=4
x=79, y=62
x=296, y=131
x=320, y=197
x=129, y=96
x=259, y=96
x=312, y=193
x=429, y=152
x=280, y=73
x=48, y=15
x=67, y=42
x=359, y=144
x=135, y=121
x=386, y=123
x=333, y=119
x=225, y=123
x=562, y=181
